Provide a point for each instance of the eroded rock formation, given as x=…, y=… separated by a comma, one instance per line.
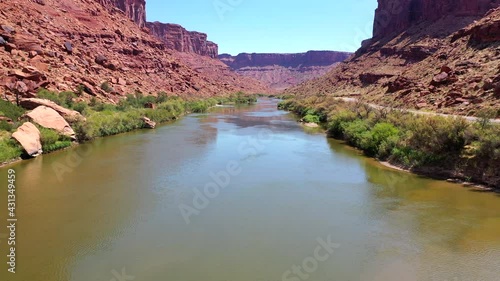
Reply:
x=133, y=9
x=178, y=38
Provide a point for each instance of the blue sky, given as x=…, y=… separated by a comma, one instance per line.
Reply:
x=272, y=26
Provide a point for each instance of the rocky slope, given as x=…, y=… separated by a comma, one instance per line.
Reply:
x=281, y=71
x=433, y=55
x=77, y=45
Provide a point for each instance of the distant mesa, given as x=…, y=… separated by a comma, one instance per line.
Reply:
x=281, y=71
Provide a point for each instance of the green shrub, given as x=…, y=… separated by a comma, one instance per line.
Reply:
x=52, y=140
x=9, y=149
x=11, y=110
x=64, y=99
x=311, y=118
x=137, y=101
x=353, y=131
x=106, y=87
x=4, y=126
x=384, y=137
x=48, y=136
x=84, y=131
x=240, y=98
x=58, y=145
x=337, y=121
x=437, y=134
x=80, y=107
x=162, y=97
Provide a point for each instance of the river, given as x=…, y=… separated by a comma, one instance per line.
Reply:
x=241, y=193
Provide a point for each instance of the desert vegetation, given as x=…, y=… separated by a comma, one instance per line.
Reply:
x=434, y=145
x=104, y=119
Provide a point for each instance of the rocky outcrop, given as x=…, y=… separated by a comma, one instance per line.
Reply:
x=133, y=9
x=68, y=114
x=28, y=136
x=281, y=71
x=392, y=17
x=50, y=119
x=178, y=38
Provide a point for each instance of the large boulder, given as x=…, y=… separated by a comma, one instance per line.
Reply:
x=49, y=118
x=68, y=114
x=29, y=137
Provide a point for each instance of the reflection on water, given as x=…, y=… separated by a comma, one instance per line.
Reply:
x=90, y=212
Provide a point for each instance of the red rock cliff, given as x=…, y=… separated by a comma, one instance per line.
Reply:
x=173, y=35
x=394, y=16
x=281, y=71
x=134, y=9
x=178, y=38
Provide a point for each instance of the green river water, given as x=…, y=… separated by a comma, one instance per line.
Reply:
x=241, y=194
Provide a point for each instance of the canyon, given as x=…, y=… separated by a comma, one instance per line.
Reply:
x=281, y=71
x=81, y=45
x=426, y=55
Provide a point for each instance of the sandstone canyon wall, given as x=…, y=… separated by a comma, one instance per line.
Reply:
x=394, y=16
x=133, y=9
x=174, y=36
x=178, y=38
x=281, y=71
x=440, y=56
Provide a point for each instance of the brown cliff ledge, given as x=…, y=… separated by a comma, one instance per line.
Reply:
x=178, y=38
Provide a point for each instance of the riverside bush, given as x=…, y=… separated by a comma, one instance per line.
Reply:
x=9, y=148
x=413, y=141
x=64, y=99
x=10, y=110
x=52, y=140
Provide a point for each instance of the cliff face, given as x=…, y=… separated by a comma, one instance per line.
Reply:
x=133, y=9
x=392, y=17
x=178, y=38
x=281, y=71
x=439, y=56
x=174, y=36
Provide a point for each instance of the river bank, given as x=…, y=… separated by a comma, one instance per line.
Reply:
x=439, y=147
x=101, y=119
x=291, y=187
